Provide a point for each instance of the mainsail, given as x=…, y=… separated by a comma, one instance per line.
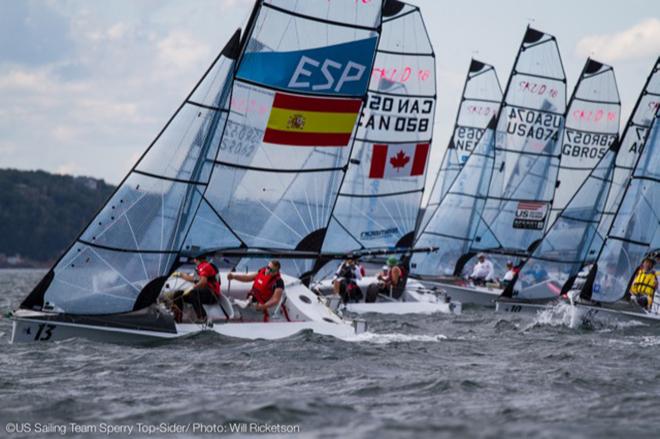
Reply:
x=636, y=227
x=452, y=227
x=527, y=148
x=592, y=125
x=480, y=102
x=280, y=103
x=567, y=244
x=380, y=197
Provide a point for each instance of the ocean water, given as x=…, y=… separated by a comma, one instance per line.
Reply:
x=481, y=375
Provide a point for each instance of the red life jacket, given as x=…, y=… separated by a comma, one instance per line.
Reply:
x=208, y=270
x=262, y=288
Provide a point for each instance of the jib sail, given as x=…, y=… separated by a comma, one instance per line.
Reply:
x=480, y=102
x=380, y=197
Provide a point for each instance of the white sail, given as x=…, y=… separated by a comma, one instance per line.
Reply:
x=480, y=102
x=592, y=125
x=379, y=200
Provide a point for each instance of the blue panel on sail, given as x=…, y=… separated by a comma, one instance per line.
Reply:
x=340, y=69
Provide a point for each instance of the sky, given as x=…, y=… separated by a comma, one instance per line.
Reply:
x=85, y=85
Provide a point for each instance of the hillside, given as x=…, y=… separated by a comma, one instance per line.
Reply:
x=41, y=213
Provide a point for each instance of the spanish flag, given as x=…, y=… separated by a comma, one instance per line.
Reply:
x=310, y=121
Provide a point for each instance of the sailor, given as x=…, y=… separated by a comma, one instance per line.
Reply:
x=267, y=287
x=345, y=281
x=509, y=275
x=483, y=271
x=205, y=291
x=644, y=284
x=392, y=284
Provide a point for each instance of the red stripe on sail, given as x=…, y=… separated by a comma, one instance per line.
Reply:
x=419, y=161
x=378, y=160
x=296, y=138
x=325, y=105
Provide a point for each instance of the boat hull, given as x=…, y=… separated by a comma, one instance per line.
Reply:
x=40, y=327
x=466, y=294
x=417, y=299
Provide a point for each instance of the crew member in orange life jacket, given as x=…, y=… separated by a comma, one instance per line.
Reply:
x=267, y=287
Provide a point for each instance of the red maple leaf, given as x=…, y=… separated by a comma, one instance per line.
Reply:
x=400, y=160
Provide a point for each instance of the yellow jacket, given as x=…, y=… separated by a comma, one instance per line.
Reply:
x=644, y=283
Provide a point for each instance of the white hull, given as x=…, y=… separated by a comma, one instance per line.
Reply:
x=417, y=299
x=467, y=295
x=400, y=308
x=35, y=329
x=307, y=312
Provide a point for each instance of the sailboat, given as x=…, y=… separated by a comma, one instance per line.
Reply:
x=634, y=234
x=379, y=200
x=480, y=102
x=590, y=138
x=274, y=107
x=575, y=239
x=525, y=164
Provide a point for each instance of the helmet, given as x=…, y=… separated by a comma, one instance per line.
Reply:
x=392, y=260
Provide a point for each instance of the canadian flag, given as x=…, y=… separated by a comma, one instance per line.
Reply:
x=400, y=160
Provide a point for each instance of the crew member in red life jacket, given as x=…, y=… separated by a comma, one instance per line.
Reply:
x=205, y=291
x=267, y=287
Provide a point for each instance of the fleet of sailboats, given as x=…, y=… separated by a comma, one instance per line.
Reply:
x=308, y=140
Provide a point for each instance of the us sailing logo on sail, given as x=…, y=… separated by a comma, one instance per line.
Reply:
x=530, y=215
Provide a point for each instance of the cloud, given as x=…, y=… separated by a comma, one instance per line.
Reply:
x=182, y=49
x=641, y=40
